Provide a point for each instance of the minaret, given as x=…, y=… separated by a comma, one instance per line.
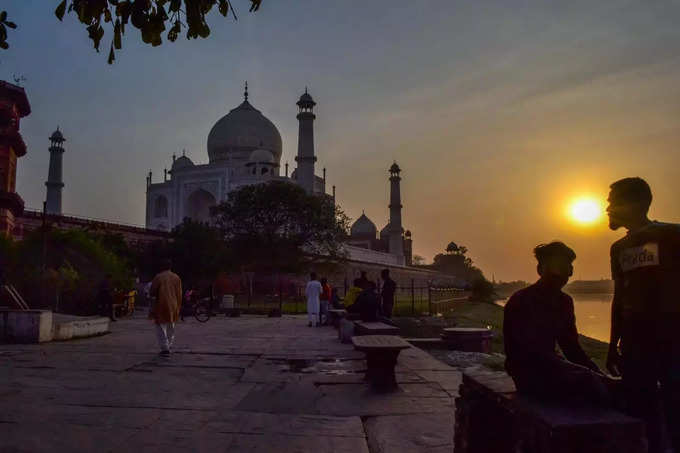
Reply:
x=54, y=180
x=305, y=158
x=396, y=244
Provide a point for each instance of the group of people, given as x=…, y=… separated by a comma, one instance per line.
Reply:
x=644, y=348
x=363, y=297
x=321, y=297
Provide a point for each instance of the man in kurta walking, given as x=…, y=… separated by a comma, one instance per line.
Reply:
x=167, y=289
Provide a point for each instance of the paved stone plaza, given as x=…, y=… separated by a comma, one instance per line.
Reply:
x=233, y=384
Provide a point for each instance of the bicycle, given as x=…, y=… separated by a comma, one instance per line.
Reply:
x=203, y=310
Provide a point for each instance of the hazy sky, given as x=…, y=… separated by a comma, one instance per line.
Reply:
x=497, y=112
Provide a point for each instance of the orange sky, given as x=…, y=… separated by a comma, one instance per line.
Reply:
x=497, y=112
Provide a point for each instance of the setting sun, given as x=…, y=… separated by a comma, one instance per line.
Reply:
x=585, y=210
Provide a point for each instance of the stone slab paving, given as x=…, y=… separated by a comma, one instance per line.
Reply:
x=233, y=384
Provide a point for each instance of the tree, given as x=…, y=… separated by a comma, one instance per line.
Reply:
x=418, y=260
x=198, y=252
x=151, y=17
x=278, y=227
x=76, y=261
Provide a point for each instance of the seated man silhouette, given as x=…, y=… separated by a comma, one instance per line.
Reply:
x=536, y=319
x=367, y=304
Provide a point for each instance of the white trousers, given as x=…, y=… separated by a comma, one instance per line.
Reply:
x=313, y=311
x=166, y=335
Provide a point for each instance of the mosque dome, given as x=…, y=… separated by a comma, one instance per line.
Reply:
x=241, y=131
x=261, y=156
x=363, y=227
x=182, y=162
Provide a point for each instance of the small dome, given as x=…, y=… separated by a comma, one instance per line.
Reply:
x=182, y=162
x=363, y=227
x=395, y=168
x=261, y=156
x=385, y=232
x=57, y=136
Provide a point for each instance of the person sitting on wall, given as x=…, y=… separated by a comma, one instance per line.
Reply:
x=537, y=318
x=352, y=294
x=367, y=304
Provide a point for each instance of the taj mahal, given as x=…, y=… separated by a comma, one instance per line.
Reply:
x=245, y=147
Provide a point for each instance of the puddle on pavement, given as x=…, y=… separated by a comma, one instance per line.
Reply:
x=334, y=367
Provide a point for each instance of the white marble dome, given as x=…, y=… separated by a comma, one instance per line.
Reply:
x=237, y=134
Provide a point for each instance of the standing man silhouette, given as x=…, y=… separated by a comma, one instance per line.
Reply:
x=387, y=293
x=313, y=292
x=644, y=347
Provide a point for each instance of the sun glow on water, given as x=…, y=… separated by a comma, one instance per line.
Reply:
x=585, y=210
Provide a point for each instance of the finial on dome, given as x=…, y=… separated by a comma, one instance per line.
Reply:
x=184, y=152
x=245, y=93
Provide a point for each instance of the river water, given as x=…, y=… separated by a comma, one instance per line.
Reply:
x=593, y=314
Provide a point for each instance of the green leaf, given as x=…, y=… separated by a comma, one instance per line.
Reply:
x=224, y=7
x=112, y=55
x=4, y=45
x=11, y=24
x=117, y=35
x=3, y=16
x=95, y=32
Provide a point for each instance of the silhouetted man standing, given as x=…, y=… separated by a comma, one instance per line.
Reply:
x=105, y=298
x=363, y=281
x=313, y=294
x=644, y=345
x=538, y=317
x=388, y=289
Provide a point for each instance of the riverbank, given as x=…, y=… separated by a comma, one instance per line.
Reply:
x=482, y=314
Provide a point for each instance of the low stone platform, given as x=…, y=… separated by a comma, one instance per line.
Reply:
x=468, y=339
x=67, y=327
x=492, y=418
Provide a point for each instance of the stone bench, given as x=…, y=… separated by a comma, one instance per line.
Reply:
x=374, y=328
x=492, y=418
x=381, y=358
x=335, y=315
x=468, y=339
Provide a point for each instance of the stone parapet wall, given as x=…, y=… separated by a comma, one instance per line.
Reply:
x=32, y=220
x=373, y=256
x=492, y=418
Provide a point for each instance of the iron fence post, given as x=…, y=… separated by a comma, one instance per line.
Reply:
x=413, y=298
x=429, y=299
